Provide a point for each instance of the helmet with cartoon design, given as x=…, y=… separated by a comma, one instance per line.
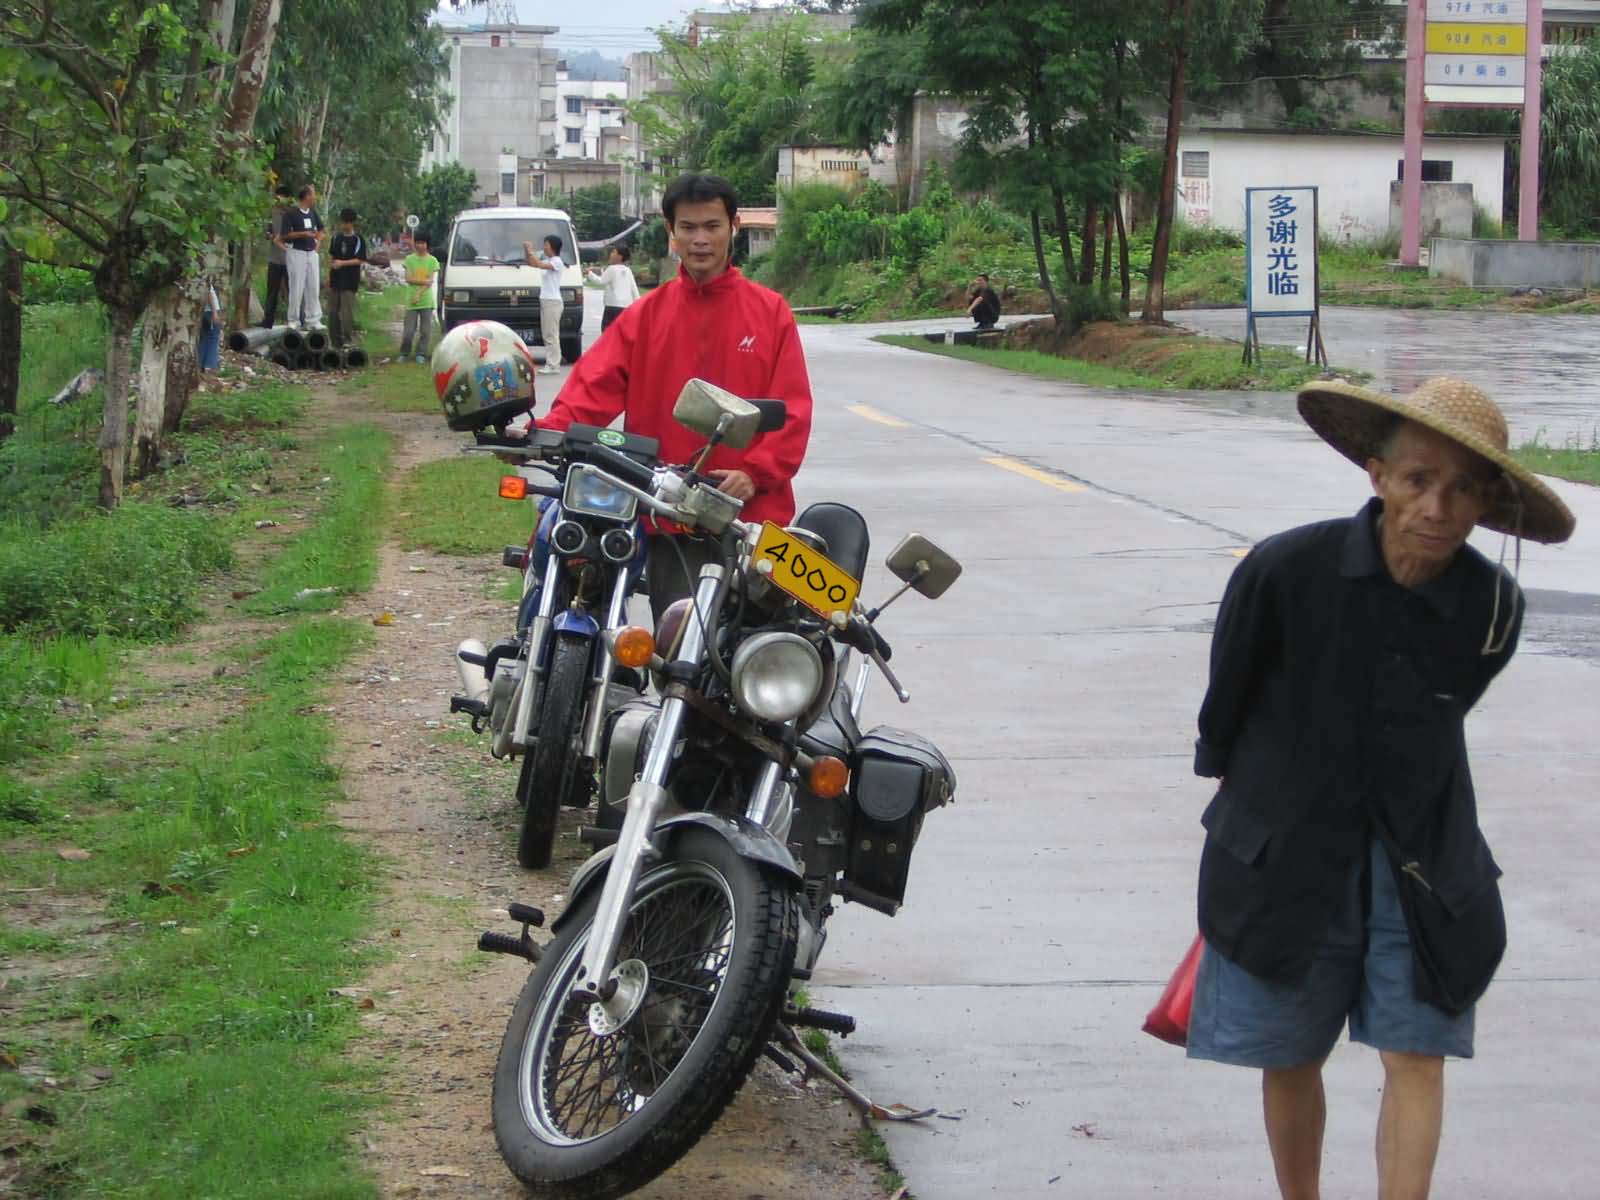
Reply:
x=483, y=374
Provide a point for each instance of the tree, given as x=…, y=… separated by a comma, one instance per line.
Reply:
x=736, y=98
x=1039, y=130
x=1300, y=46
x=113, y=160
x=10, y=334
x=441, y=194
x=596, y=211
x=868, y=96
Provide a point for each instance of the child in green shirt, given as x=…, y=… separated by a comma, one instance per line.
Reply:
x=421, y=268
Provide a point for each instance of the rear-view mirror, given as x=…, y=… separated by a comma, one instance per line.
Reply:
x=773, y=415
x=704, y=408
x=924, y=567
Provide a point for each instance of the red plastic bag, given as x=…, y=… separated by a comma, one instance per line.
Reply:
x=1169, y=1019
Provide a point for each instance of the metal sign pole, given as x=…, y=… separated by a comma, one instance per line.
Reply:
x=1528, y=195
x=1411, y=182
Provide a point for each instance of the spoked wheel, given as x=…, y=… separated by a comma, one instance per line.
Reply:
x=592, y=1104
x=552, y=773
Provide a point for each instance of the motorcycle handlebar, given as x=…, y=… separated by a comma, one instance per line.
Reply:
x=864, y=636
x=624, y=468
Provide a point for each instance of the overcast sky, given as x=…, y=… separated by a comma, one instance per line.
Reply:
x=613, y=27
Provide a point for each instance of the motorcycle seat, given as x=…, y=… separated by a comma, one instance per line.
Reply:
x=844, y=530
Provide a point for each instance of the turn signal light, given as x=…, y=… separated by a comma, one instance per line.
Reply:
x=513, y=487
x=633, y=646
x=829, y=777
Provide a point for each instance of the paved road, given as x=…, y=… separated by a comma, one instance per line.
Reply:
x=1542, y=367
x=1062, y=674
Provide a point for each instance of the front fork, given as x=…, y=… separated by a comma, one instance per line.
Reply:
x=596, y=720
x=515, y=732
x=596, y=982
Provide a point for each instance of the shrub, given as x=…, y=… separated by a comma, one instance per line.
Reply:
x=43, y=284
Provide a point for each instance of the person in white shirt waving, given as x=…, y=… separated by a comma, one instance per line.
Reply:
x=621, y=287
x=550, y=303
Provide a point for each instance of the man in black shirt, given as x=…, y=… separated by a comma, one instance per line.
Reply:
x=300, y=233
x=985, y=306
x=345, y=256
x=1344, y=876
x=277, y=270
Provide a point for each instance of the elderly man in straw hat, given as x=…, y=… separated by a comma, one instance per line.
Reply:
x=1344, y=877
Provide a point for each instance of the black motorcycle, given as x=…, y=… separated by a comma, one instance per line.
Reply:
x=752, y=802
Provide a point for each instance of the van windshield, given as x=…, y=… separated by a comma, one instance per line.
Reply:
x=499, y=240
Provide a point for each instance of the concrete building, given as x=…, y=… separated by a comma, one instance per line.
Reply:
x=641, y=195
x=836, y=165
x=585, y=110
x=502, y=92
x=1354, y=172
x=760, y=226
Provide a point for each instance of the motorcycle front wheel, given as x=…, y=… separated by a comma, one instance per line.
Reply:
x=587, y=1115
x=552, y=774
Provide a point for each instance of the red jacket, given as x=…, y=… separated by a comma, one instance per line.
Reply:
x=731, y=332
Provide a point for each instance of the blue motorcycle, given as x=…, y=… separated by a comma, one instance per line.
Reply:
x=544, y=692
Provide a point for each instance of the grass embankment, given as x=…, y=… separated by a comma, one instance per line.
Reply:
x=178, y=907
x=1130, y=356
x=1574, y=461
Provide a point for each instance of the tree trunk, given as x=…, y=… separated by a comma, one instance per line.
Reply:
x=114, y=427
x=1056, y=308
x=1105, y=258
x=318, y=124
x=1086, y=271
x=10, y=337
x=1122, y=255
x=1155, y=297
x=250, y=75
x=240, y=281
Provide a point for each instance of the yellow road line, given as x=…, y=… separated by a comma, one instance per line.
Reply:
x=1027, y=472
x=1241, y=552
x=867, y=413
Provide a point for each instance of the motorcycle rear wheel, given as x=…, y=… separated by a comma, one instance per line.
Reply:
x=582, y=1116
x=552, y=775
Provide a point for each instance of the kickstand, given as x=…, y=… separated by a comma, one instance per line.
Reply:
x=863, y=1103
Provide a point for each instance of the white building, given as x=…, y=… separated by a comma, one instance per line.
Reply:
x=1352, y=171
x=585, y=109
x=502, y=103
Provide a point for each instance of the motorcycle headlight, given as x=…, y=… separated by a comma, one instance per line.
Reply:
x=776, y=676
x=588, y=491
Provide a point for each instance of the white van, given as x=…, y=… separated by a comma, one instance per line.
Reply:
x=485, y=277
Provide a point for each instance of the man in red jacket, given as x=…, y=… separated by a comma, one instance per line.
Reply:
x=709, y=323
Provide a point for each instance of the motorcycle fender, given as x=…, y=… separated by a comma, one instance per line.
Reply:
x=748, y=839
x=567, y=621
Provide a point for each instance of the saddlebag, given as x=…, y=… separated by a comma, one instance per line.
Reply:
x=895, y=778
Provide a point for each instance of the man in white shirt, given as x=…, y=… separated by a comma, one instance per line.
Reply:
x=549, y=299
x=300, y=233
x=621, y=287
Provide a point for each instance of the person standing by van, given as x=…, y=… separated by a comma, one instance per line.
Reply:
x=549, y=299
x=421, y=268
x=622, y=289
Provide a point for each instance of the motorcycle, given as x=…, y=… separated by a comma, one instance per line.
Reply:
x=543, y=693
x=752, y=800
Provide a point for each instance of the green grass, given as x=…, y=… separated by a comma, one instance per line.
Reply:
x=453, y=506
x=44, y=683
x=378, y=318
x=234, y=906
x=1196, y=366
x=871, y=1146
x=1574, y=461
x=338, y=556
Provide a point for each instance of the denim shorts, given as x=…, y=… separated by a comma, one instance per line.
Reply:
x=1362, y=973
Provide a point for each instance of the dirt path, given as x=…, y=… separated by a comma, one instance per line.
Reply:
x=440, y=812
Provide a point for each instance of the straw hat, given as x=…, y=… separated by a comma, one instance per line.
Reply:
x=1355, y=422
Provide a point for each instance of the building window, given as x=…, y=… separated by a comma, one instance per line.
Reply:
x=1196, y=164
x=574, y=104
x=494, y=39
x=508, y=182
x=1434, y=170
x=574, y=136
x=841, y=164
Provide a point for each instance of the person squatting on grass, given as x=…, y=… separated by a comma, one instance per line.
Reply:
x=1344, y=875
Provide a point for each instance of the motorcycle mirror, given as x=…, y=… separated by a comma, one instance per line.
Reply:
x=921, y=565
x=773, y=415
x=709, y=411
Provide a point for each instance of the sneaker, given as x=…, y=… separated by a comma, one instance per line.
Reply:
x=547, y=369
x=421, y=359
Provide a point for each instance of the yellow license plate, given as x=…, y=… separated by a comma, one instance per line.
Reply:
x=811, y=577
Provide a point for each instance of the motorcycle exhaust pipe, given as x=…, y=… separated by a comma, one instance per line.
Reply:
x=470, y=656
